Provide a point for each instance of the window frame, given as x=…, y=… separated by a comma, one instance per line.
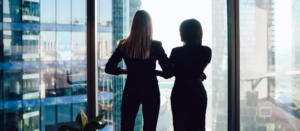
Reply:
x=233, y=63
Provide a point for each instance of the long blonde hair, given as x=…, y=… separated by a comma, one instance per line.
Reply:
x=138, y=43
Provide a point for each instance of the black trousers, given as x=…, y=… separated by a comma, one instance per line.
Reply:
x=130, y=106
x=188, y=118
x=188, y=107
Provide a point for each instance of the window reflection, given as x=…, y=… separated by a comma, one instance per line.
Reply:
x=48, y=46
x=31, y=82
x=31, y=117
x=12, y=11
x=2, y=119
x=47, y=8
x=30, y=41
x=42, y=63
x=48, y=82
x=13, y=119
x=48, y=118
x=64, y=113
x=76, y=109
x=12, y=84
x=105, y=107
x=63, y=11
x=63, y=88
x=1, y=11
x=30, y=11
x=104, y=45
x=78, y=15
x=63, y=40
x=78, y=46
x=12, y=42
x=78, y=75
x=269, y=69
x=1, y=90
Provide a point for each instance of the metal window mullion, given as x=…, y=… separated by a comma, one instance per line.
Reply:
x=91, y=60
x=233, y=66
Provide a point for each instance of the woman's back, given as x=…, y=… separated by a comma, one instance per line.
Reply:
x=141, y=72
x=140, y=53
x=190, y=61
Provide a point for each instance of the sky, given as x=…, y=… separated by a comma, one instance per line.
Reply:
x=167, y=16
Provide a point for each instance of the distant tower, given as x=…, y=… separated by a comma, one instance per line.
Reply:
x=123, y=12
x=296, y=41
x=219, y=54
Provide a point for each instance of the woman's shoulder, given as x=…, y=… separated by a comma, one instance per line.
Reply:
x=156, y=43
x=206, y=48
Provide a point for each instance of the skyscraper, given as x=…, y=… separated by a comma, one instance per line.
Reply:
x=43, y=51
x=114, y=21
x=219, y=65
x=269, y=77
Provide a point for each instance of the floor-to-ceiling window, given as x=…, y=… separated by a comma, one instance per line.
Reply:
x=114, y=22
x=42, y=63
x=269, y=65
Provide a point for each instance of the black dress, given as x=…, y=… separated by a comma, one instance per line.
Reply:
x=141, y=86
x=188, y=97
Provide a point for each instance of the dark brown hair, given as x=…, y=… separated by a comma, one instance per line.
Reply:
x=191, y=32
x=138, y=43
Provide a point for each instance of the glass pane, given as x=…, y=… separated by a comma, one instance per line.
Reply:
x=30, y=11
x=48, y=118
x=63, y=11
x=78, y=15
x=13, y=119
x=47, y=13
x=114, y=20
x=269, y=65
x=63, y=40
x=12, y=11
x=31, y=116
x=64, y=113
x=78, y=46
x=48, y=46
x=42, y=64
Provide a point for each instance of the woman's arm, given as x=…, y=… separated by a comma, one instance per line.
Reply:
x=112, y=64
x=203, y=77
x=164, y=62
x=208, y=59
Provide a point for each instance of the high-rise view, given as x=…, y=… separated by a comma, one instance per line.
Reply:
x=44, y=61
x=269, y=65
x=114, y=21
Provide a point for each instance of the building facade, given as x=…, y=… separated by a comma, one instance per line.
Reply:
x=268, y=65
x=42, y=63
x=219, y=65
x=114, y=22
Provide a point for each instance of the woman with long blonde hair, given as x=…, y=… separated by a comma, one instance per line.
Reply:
x=140, y=53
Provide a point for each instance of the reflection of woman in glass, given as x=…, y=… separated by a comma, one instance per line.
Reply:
x=189, y=98
x=140, y=53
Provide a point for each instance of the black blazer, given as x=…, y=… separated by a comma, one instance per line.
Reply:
x=190, y=61
x=141, y=72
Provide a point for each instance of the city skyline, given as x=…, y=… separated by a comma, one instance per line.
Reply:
x=43, y=67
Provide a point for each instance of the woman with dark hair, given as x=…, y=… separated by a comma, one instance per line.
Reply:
x=189, y=98
x=140, y=53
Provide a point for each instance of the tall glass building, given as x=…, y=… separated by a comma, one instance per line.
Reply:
x=114, y=22
x=269, y=47
x=219, y=66
x=43, y=63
